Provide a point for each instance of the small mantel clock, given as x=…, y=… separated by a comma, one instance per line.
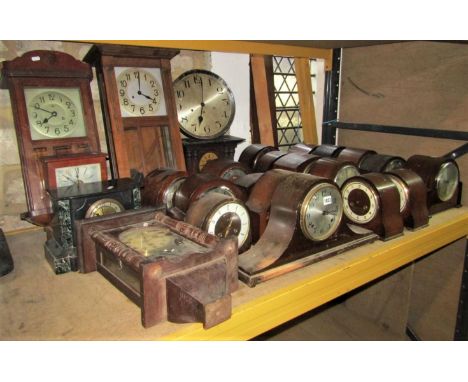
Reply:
x=205, y=108
x=53, y=115
x=138, y=105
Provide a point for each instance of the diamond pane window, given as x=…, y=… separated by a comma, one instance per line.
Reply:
x=288, y=117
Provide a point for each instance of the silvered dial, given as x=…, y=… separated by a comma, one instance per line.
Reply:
x=227, y=219
x=220, y=190
x=344, y=173
x=360, y=202
x=205, y=104
x=447, y=181
x=394, y=164
x=402, y=191
x=321, y=212
x=233, y=173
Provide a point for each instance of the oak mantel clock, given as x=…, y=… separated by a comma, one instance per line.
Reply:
x=53, y=115
x=138, y=104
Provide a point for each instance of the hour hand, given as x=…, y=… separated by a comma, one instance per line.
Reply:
x=144, y=95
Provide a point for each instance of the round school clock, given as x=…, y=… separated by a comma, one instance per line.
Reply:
x=205, y=104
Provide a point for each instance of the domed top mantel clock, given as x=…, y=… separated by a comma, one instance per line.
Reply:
x=53, y=115
x=205, y=108
x=138, y=105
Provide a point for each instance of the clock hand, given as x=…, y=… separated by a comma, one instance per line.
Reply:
x=54, y=114
x=202, y=104
x=47, y=111
x=144, y=95
x=139, y=84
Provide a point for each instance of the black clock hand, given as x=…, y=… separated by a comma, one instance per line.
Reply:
x=144, y=95
x=54, y=114
x=47, y=111
x=202, y=104
x=139, y=84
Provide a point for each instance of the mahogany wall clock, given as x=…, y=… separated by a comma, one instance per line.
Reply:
x=53, y=114
x=138, y=106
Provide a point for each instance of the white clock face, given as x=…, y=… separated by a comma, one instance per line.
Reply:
x=54, y=113
x=447, y=181
x=140, y=92
x=72, y=175
x=228, y=219
x=360, y=202
x=321, y=212
x=402, y=191
x=205, y=104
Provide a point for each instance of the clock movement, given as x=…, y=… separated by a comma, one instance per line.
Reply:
x=53, y=115
x=442, y=179
x=305, y=226
x=226, y=168
x=252, y=153
x=381, y=163
x=372, y=201
x=82, y=201
x=139, y=107
x=412, y=191
x=222, y=216
x=162, y=266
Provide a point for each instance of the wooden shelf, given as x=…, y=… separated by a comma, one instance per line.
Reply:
x=39, y=305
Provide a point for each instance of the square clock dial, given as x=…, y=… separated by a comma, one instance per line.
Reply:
x=71, y=175
x=54, y=113
x=140, y=92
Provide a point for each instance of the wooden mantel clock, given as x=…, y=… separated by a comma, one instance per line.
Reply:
x=138, y=104
x=53, y=115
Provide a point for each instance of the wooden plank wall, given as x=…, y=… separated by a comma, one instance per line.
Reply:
x=421, y=85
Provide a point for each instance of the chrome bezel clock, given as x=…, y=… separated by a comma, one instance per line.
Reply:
x=205, y=104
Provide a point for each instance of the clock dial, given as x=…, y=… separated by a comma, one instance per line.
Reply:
x=220, y=190
x=447, y=181
x=140, y=92
x=206, y=158
x=69, y=176
x=394, y=164
x=345, y=173
x=321, y=212
x=205, y=104
x=233, y=173
x=402, y=191
x=104, y=206
x=360, y=202
x=54, y=113
x=229, y=219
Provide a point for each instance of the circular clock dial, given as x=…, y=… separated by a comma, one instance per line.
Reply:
x=233, y=173
x=447, y=181
x=53, y=114
x=220, y=190
x=139, y=92
x=205, y=158
x=205, y=104
x=394, y=164
x=228, y=219
x=402, y=191
x=104, y=207
x=344, y=173
x=360, y=202
x=321, y=212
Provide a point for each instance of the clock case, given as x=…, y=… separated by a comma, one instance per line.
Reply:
x=283, y=248
x=140, y=143
x=52, y=163
x=252, y=153
x=221, y=167
x=194, y=149
x=195, y=287
x=42, y=68
x=71, y=204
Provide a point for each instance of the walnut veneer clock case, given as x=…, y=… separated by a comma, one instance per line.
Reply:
x=266, y=161
x=252, y=153
x=172, y=270
x=226, y=168
x=82, y=201
x=441, y=176
x=197, y=185
x=372, y=201
x=138, y=105
x=354, y=155
x=412, y=190
x=325, y=150
x=53, y=114
x=381, y=163
x=295, y=161
x=333, y=169
x=305, y=226
x=67, y=170
x=160, y=186
x=302, y=148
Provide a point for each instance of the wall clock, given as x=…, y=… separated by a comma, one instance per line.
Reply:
x=304, y=226
x=372, y=201
x=205, y=104
x=441, y=176
x=139, y=110
x=68, y=170
x=53, y=115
